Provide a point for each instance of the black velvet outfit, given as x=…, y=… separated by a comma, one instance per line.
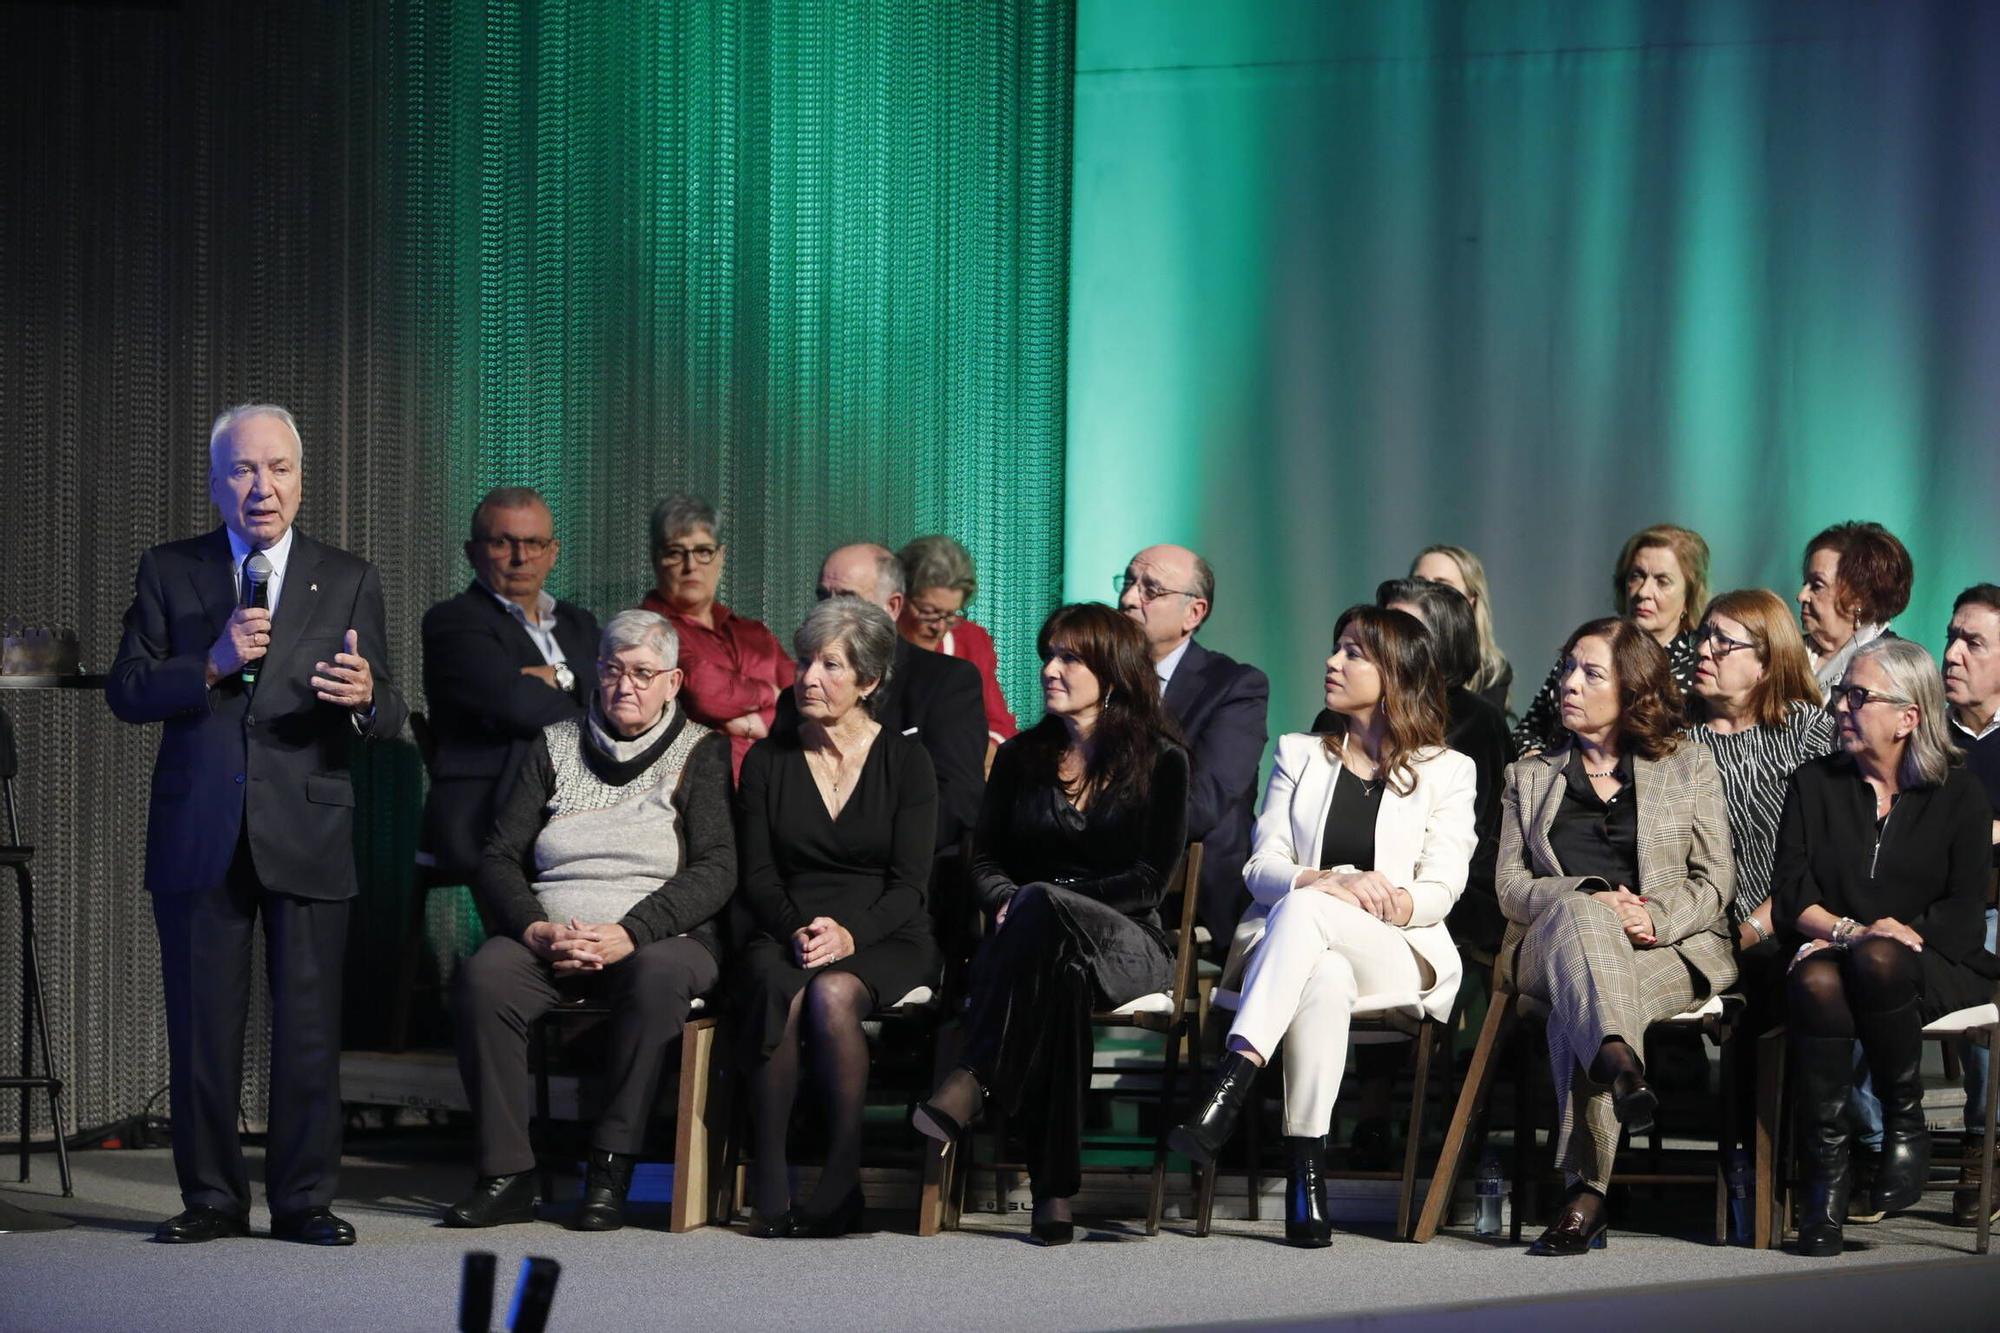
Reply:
x=1082, y=932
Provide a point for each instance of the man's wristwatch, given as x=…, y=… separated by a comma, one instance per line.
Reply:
x=565, y=678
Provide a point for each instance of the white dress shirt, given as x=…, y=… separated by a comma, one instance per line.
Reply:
x=544, y=632
x=278, y=553
x=1166, y=666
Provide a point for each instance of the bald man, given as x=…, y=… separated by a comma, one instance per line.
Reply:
x=929, y=696
x=1220, y=704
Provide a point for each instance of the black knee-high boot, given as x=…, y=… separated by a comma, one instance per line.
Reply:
x=1202, y=1137
x=1307, y=1221
x=1825, y=1077
x=1893, y=1039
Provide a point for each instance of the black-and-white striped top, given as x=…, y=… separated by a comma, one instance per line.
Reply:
x=1755, y=764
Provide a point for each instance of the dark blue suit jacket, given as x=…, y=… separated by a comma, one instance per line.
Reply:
x=272, y=752
x=481, y=707
x=1220, y=704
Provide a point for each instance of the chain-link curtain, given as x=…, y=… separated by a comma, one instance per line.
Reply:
x=805, y=259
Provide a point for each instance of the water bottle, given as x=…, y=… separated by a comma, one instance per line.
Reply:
x=1736, y=1171
x=1489, y=1187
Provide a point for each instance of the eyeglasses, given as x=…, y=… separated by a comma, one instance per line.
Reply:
x=931, y=616
x=1720, y=645
x=610, y=673
x=1149, y=591
x=528, y=546
x=1856, y=697
x=681, y=555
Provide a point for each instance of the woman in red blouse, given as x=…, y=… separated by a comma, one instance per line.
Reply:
x=735, y=667
x=940, y=577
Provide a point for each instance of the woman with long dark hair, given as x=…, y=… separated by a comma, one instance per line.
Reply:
x=1360, y=852
x=1084, y=818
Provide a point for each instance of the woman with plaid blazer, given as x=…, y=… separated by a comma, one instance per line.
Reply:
x=1615, y=874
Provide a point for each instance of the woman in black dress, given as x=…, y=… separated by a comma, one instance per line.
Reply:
x=838, y=820
x=1884, y=853
x=1084, y=818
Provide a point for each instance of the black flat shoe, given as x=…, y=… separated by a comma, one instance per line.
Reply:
x=845, y=1217
x=606, y=1180
x=1635, y=1103
x=198, y=1225
x=1571, y=1235
x=785, y=1224
x=313, y=1226
x=495, y=1201
x=1048, y=1234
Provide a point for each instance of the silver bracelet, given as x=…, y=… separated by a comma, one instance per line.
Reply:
x=1843, y=932
x=1763, y=935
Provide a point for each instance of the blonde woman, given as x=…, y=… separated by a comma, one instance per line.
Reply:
x=1456, y=567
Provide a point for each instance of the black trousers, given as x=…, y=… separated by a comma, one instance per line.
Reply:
x=1034, y=983
x=504, y=988
x=205, y=942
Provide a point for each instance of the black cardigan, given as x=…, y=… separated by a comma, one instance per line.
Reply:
x=1929, y=870
x=1117, y=852
x=688, y=904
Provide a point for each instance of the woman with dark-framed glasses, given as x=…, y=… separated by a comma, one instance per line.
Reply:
x=1884, y=853
x=1756, y=707
x=734, y=668
x=611, y=858
x=939, y=575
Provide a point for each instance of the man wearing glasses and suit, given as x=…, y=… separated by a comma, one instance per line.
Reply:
x=502, y=660
x=1220, y=704
x=262, y=652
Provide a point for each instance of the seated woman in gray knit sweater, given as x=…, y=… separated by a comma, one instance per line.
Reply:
x=613, y=854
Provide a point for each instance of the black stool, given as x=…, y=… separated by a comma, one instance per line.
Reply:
x=34, y=1010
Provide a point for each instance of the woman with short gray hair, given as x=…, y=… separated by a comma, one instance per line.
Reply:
x=837, y=823
x=941, y=581
x=1884, y=855
x=735, y=669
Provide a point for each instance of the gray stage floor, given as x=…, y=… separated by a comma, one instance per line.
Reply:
x=103, y=1274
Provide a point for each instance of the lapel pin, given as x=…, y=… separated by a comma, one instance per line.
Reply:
x=313, y=588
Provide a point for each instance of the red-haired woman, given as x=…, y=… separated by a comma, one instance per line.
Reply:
x=1615, y=870
x=1084, y=818
x=1360, y=852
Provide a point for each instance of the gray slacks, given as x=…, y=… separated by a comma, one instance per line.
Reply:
x=1577, y=959
x=504, y=988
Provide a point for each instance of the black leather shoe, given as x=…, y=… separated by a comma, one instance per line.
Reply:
x=495, y=1201
x=312, y=1226
x=1825, y=1078
x=1307, y=1223
x=1051, y=1224
x=200, y=1224
x=1573, y=1234
x=1635, y=1103
x=845, y=1217
x=607, y=1178
x=1200, y=1139
x=785, y=1224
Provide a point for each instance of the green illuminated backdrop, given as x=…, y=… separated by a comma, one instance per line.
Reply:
x=1348, y=279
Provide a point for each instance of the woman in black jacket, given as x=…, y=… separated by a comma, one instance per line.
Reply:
x=1884, y=852
x=1084, y=818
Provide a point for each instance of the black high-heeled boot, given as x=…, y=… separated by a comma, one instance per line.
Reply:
x=1201, y=1138
x=1308, y=1220
x=1893, y=1039
x=1825, y=1079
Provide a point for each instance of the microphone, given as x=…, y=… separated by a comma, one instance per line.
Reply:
x=256, y=592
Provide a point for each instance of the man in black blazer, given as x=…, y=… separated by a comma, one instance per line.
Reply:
x=1220, y=704
x=502, y=660
x=252, y=813
x=930, y=696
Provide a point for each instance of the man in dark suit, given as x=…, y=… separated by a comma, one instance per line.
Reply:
x=502, y=660
x=930, y=696
x=1220, y=704
x=263, y=652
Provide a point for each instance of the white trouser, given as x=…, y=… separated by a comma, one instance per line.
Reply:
x=1318, y=955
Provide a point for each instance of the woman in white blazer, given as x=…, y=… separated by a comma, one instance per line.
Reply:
x=1360, y=851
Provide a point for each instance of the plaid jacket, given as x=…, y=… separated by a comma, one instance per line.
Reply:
x=1687, y=872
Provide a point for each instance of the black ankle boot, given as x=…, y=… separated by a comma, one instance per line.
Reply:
x=1201, y=1138
x=1308, y=1223
x=1893, y=1040
x=607, y=1177
x=1825, y=1078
